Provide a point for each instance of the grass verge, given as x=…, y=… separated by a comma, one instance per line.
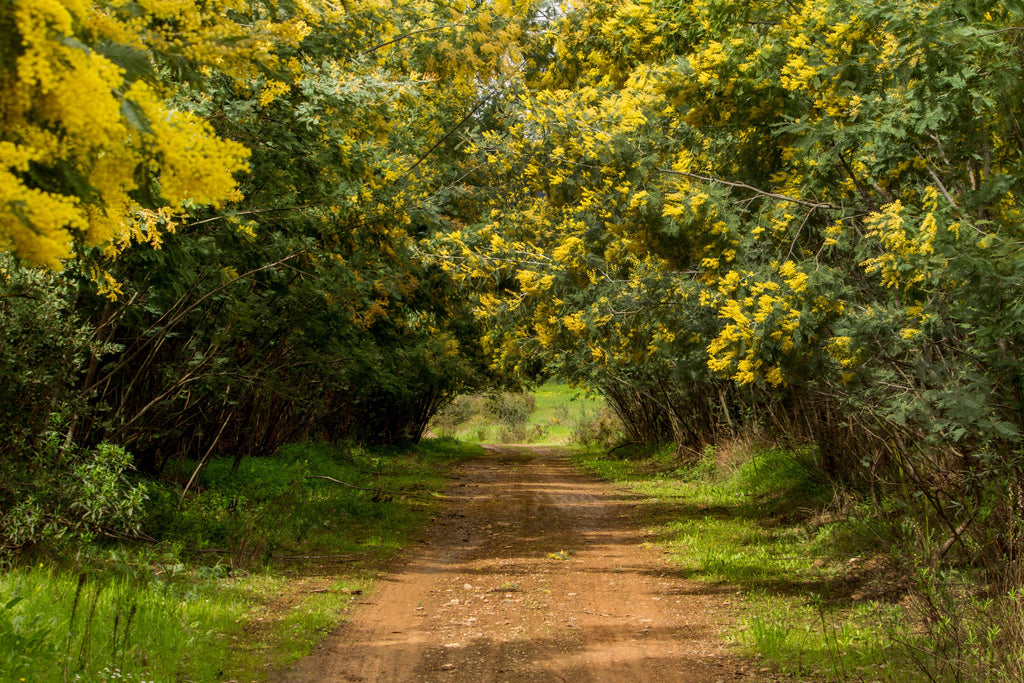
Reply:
x=820, y=600
x=248, y=575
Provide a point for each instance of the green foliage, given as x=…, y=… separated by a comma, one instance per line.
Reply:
x=598, y=427
x=551, y=413
x=167, y=611
x=24, y=639
x=42, y=350
x=453, y=415
x=300, y=306
x=306, y=311
x=51, y=489
x=63, y=494
x=802, y=223
x=308, y=499
x=792, y=223
x=796, y=223
x=968, y=636
x=510, y=412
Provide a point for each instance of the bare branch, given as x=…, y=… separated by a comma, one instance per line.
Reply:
x=410, y=35
x=338, y=481
x=252, y=212
x=756, y=190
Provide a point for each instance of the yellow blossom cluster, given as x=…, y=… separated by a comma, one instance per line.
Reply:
x=203, y=32
x=902, y=245
x=80, y=133
x=758, y=314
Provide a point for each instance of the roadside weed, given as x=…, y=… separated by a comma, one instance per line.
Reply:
x=86, y=627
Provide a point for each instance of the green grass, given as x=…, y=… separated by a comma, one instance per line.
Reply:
x=561, y=408
x=277, y=634
x=148, y=627
x=759, y=525
x=284, y=506
x=249, y=575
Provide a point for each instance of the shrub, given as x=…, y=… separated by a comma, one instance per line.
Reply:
x=510, y=410
x=455, y=414
x=65, y=494
x=601, y=428
x=42, y=352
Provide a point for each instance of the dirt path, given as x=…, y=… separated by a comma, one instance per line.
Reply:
x=532, y=572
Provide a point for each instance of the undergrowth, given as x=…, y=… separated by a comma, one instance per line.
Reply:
x=128, y=623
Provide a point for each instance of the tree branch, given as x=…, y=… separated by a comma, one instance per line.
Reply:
x=338, y=481
x=252, y=212
x=756, y=190
x=409, y=35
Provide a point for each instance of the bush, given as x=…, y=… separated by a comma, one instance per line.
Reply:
x=65, y=494
x=455, y=414
x=601, y=428
x=42, y=353
x=245, y=511
x=510, y=410
x=51, y=490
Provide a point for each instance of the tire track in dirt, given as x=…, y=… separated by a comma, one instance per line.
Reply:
x=532, y=572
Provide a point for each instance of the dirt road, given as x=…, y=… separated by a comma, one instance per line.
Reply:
x=532, y=572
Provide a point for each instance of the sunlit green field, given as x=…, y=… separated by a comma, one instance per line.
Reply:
x=554, y=413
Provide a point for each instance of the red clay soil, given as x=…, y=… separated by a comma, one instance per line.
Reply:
x=533, y=572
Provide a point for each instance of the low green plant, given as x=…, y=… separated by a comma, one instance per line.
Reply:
x=966, y=636
x=24, y=638
x=66, y=495
x=772, y=639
